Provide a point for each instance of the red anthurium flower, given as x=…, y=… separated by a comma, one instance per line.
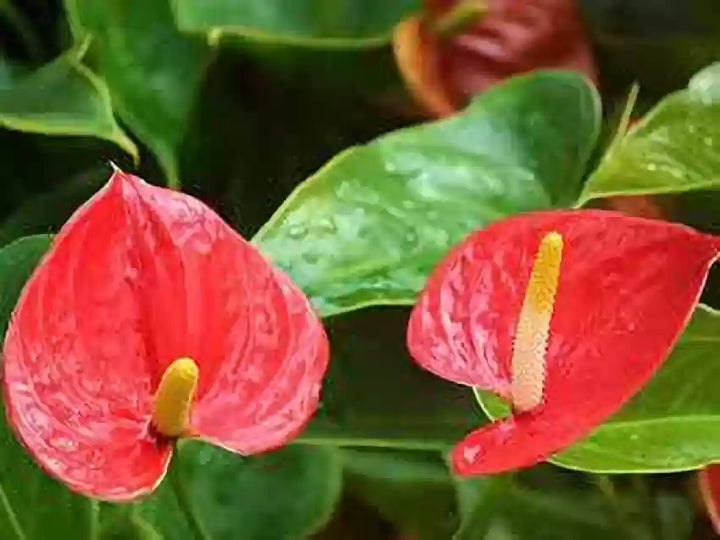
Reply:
x=709, y=483
x=445, y=62
x=150, y=319
x=564, y=314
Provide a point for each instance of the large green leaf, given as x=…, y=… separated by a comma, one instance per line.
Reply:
x=329, y=23
x=62, y=98
x=33, y=506
x=283, y=495
x=152, y=70
x=369, y=226
x=375, y=396
x=673, y=424
x=675, y=148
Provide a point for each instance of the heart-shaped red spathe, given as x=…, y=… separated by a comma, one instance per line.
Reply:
x=627, y=287
x=510, y=38
x=139, y=277
x=515, y=36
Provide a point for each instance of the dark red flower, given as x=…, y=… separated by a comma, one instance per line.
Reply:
x=151, y=319
x=565, y=314
x=709, y=483
x=509, y=38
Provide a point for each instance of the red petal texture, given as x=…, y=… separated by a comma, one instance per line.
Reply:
x=626, y=289
x=512, y=37
x=709, y=483
x=139, y=277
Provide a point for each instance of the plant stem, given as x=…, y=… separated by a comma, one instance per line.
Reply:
x=173, y=182
x=458, y=18
x=607, y=488
x=12, y=518
x=654, y=525
x=184, y=501
x=23, y=28
x=93, y=520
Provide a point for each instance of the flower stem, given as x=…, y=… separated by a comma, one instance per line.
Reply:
x=177, y=481
x=11, y=516
x=652, y=516
x=93, y=517
x=607, y=488
x=459, y=17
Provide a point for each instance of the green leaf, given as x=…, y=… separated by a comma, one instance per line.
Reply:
x=412, y=490
x=320, y=23
x=284, y=495
x=369, y=226
x=673, y=424
x=62, y=98
x=152, y=70
x=374, y=395
x=675, y=148
x=32, y=503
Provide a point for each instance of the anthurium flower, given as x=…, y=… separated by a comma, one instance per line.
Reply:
x=709, y=483
x=445, y=60
x=564, y=314
x=150, y=319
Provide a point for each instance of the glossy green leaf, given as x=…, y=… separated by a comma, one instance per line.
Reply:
x=374, y=395
x=62, y=98
x=32, y=503
x=369, y=226
x=283, y=495
x=412, y=490
x=675, y=148
x=322, y=23
x=152, y=70
x=673, y=424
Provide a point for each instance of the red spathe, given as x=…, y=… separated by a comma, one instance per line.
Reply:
x=139, y=277
x=514, y=36
x=626, y=290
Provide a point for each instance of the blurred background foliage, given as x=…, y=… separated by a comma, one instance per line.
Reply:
x=238, y=103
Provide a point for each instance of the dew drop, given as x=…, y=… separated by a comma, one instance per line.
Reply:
x=408, y=204
x=297, y=232
x=411, y=238
x=326, y=226
x=311, y=258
